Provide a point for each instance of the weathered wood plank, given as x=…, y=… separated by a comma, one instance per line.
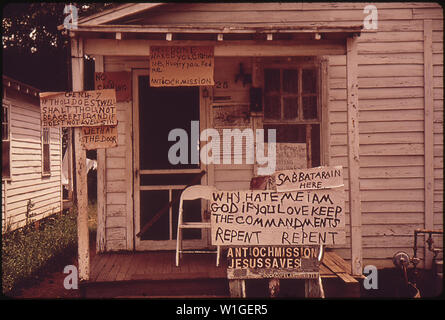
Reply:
x=353, y=155
x=429, y=116
x=77, y=55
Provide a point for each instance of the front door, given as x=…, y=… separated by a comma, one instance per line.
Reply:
x=157, y=111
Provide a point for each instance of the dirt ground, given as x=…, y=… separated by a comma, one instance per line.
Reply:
x=49, y=285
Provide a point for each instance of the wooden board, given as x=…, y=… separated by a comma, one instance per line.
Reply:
x=119, y=81
x=309, y=179
x=98, y=137
x=173, y=66
x=271, y=218
x=78, y=109
x=272, y=262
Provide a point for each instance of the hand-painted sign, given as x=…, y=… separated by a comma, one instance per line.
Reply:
x=119, y=81
x=174, y=66
x=279, y=262
x=98, y=137
x=255, y=218
x=288, y=156
x=308, y=179
x=78, y=109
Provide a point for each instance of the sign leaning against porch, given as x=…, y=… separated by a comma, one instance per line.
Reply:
x=274, y=234
x=173, y=66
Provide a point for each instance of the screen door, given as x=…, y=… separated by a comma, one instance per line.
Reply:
x=157, y=181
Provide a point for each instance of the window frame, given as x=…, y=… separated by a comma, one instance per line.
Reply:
x=321, y=65
x=7, y=105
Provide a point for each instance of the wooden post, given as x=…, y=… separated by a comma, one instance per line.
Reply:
x=353, y=156
x=101, y=180
x=313, y=288
x=81, y=174
x=428, y=131
x=237, y=288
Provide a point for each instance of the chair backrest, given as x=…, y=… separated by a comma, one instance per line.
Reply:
x=198, y=192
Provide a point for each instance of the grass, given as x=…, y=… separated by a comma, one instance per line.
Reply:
x=29, y=250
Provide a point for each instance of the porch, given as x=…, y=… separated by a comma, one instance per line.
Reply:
x=153, y=274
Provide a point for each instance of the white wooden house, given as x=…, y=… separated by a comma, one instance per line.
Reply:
x=31, y=158
x=368, y=98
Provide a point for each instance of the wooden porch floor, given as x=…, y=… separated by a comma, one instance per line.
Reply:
x=160, y=265
x=155, y=265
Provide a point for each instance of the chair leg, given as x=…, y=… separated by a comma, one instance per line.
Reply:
x=178, y=246
x=218, y=255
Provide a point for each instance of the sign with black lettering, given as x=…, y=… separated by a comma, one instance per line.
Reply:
x=266, y=217
x=78, y=109
x=98, y=137
x=279, y=262
x=174, y=66
x=119, y=81
x=308, y=179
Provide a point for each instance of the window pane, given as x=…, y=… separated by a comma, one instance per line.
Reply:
x=290, y=81
x=271, y=80
x=272, y=107
x=5, y=160
x=315, y=143
x=151, y=202
x=309, y=81
x=310, y=107
x=290, y=107
x=288, y=133
x=5, y=131
x=46, y=159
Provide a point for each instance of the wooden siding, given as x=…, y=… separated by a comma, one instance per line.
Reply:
x=27, y=182
x=391, y=115
x=118, y=169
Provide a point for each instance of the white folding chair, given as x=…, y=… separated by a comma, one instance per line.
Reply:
x=193, y=193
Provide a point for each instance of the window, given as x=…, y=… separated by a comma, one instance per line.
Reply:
x=6, y=145
x=292, y=107
x=46, y=155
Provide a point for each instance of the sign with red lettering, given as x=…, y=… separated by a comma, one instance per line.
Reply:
x=119, y=81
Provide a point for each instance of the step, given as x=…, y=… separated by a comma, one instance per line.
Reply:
x=156, y=288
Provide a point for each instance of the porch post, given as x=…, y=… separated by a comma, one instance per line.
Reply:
x=353, y=156
x=428, y=132
x=81, y=174
x=101, y=180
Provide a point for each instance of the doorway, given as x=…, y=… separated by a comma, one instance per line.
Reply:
x=158, y=182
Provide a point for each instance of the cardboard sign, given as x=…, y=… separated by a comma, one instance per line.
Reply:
x=174, y=66
x=265, y=217
x=98, y=137
x=288, y=156
x=278, y=262
x=119, y=81
x=78, y=109
x=309, y=179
